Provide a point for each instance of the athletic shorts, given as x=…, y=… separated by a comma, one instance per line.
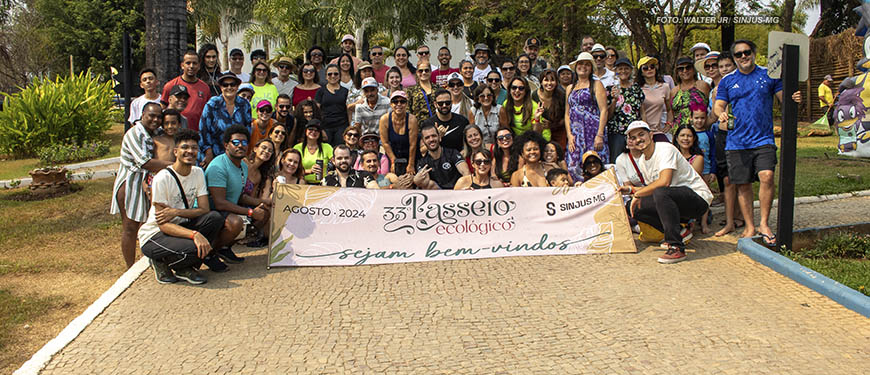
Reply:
x=744, y=165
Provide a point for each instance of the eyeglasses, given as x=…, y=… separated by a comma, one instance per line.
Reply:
x=739, y=54
x=424, y=70
x=454, y=84
x=508, y=68
x=304, y=71
x=514, y=87
x=599, y=56
x=239, y=142
x=377, y=53
x=709, y=66
x=285, y=106
x=423, y=53
x=332, y=74
x=682, y=68
x=352, y=135
x=261, y=70
x=399, y=101
x=504, y=137
x=188, y=148
x=484, y=96
x=648, y=67
x=444, y=103
x=482, y=161
x=491, y=80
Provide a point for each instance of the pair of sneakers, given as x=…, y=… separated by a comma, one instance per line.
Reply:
x=164, y=274
x=677, y=253
x=215, y=261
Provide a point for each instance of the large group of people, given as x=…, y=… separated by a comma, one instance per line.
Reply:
x=477, y=125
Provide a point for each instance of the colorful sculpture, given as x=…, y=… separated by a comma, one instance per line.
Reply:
x=850, y=113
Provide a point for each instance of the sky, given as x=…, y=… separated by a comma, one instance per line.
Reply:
x=812, y=19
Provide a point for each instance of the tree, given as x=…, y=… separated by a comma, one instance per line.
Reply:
x=23, y=53
x=835, y=17
x=218, y=19
x=166, y=28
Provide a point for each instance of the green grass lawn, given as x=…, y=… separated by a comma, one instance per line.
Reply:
x=854, y=273
x=18, y=168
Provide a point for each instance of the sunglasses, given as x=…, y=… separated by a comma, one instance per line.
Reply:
x=265, y=109
x=491, y=80
x=283, y=66
x=709, y=66
x=453, y=85
x=239, y=142
x=332, y=74
x=307, y=70
x=423, y=53
x=504, y=137
x=318, y=54
x=508, y=68
x=261, y=70
x=599, y=56
x=279, y=132
x=484, y=96
x=682, y=68
x=352, y=135
x=285, y=106
x=648, y=67
x=444, y=103
x=399, y=101
x=514, y=87
x=424, y=70
x=229, y=84
x=740, y=54
x=482, y=161
x=377, y=53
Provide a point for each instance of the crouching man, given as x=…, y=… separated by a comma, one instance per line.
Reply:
x=178, y=234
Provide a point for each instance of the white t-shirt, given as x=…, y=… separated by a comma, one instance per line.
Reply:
x=164, y=190
x=245, y=77
x=480, y=74
x=625, y=170
x=608, y=79
x=137, y=105
x=666, y=156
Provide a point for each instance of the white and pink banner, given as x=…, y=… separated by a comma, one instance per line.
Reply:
x=328, y=226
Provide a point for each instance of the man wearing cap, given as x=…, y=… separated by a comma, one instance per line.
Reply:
x=450, y=125
x=148, y=82
x=698, y=52
x=566, y=76
x=198, y=92
x=674, y=192
x=344, y=175
x=348, y=46
x=826, y=95
x=371, y=141
x=178, y=97
x=750, y=149
x=284, y=82
x=531, y=48
x=221, y=112
x=367, y=114
x=439, y=76
x=263, y=124
x=237, y=62
x=481, y=62
x=376, y=55
x=606, y=76
x=441, y=167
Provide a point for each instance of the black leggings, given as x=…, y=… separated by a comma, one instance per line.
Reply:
x=180, y=253
x=667, y=207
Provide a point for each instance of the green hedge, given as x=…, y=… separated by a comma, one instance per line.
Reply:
x=67, y=110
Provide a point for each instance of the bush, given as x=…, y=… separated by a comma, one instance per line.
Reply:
x=840, y=245
x=68, y=153
x=68, y=110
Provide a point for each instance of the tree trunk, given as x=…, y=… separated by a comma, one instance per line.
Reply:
x=165, y=36
x=787, y=15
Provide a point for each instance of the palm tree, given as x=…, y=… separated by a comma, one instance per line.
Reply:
x=218, y=19
x=165, y=36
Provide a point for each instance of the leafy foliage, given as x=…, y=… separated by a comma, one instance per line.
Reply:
x=74, y=109
x=840, y=245
x=69, y=152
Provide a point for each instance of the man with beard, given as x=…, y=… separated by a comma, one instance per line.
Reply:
x=344, y=175
x=481, y=63
x=282, y=113
x=441, y=167
x=284, y=82
x=439, y=76
x=137, y=160
x=367, y=115
x=178, y=235
x=532, y=47
x=198, y=92
x=449, y=124
x=348, y=46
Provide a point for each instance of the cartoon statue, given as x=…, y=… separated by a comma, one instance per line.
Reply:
x=847, y=115
x=850, y=113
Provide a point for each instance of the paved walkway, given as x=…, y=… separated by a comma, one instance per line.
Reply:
x=718, y=312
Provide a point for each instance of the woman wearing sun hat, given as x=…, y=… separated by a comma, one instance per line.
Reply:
x=585, y=115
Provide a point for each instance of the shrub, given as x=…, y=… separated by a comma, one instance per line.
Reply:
x=840, y=245
x=67, y=110
x=68, y=153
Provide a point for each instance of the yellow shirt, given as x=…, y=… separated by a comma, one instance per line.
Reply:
x=825, y=92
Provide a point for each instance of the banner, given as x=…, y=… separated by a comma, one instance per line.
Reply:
x=329, y=226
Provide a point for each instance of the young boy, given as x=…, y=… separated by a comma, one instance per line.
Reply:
x=165, y=143
x=699, y=122
x=558, y=177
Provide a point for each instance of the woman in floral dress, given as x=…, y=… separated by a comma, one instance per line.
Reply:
x=585, y=125
x=624, y=101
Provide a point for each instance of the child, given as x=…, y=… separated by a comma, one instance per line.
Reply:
x=558, y=177
x=699, y=123
x=164, y=143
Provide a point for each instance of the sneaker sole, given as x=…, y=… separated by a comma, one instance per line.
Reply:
x=228, y=260
x=194, y=282
x=170, y=281
x=671, y=260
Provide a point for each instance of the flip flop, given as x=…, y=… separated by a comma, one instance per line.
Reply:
x=769, y=240
x=736, y=225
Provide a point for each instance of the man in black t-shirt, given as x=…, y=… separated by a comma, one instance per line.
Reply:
x=448, y=124
x=344, y=175
x=441, y=167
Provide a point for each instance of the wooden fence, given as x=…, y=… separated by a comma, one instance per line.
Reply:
x=835, y=55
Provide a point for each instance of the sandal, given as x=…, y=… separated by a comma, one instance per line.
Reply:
x=769, y=240
x=738, y=223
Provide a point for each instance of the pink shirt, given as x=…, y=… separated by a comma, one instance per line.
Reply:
x=383, y=169
x=654, y=106
x=439, y=77
x=381, y=74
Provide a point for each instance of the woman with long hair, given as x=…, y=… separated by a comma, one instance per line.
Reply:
x=466, y=70
x=473, y=140
x=333, y=104
x=305, y=111
x=393, y=81
x=520, y=112
x=481, y=174
x=262, y=125
x=280, y=137
x=260, y=162
x=210, y=70
x=485, y=114
x=351, y=138
x=420, y=95
x=263, y=88
x=554, y=157
x=624, y=101
x=524, y=69
x=688, y=91
x=409, y=73
x=656, y=106
x=529, y=146
x=289, y=168
x=309, y=85
x=551, y=98
x=503, y=160
x=345, y=67
x=585, y=116
x=313, y=148
x=686, y=141
x=398, y=129
x=460, y=103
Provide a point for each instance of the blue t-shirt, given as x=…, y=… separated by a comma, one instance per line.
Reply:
x=704, y=144
x=751, y=99
x=222, y=173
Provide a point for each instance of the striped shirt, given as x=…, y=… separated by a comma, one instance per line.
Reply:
x=136, y=149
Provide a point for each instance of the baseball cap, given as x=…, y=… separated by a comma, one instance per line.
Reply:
x=236, y=51
x=700, y=45
x=590, y=154
x=598, y=47
x=829, y=78
x=637, y=124
x=179, y=90
x=246, y=86
x=563, y=67
x=454, y=76
x=622, y=61
x=370, y=134
x=264, y=103
x=399, y=93
x=647, y=60
x=313, y=123
x=369, y=82
x=348, y=37
x=533, y=42
x=684, y=61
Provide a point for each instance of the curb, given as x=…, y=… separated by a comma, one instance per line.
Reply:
x=26, y=181
x=804, y=200
x=80, y=176
x=38, y=361
x=848, y=297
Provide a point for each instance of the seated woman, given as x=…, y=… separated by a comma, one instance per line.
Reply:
x=473, y=143
x=290, y=168
x=676, y=194
x=529, y=145
x=278, y=136
x=481, y=175
x=259, y=183
x=554, y=157
x=686, y=140
x=592, y=165
x=503, y=161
